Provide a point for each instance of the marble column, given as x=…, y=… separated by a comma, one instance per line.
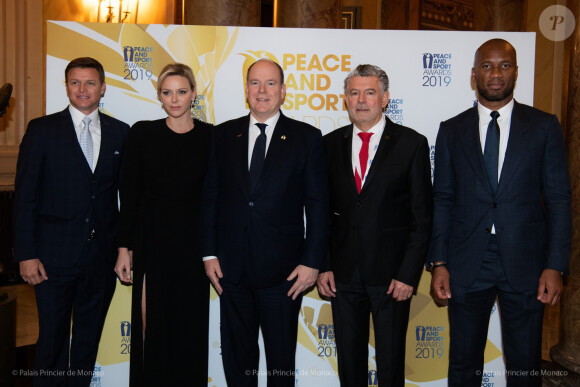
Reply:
x=244, y=13
x=567, y=352
x=308, y=13
x=498, y=15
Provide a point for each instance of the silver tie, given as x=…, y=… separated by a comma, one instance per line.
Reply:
x=87, y=141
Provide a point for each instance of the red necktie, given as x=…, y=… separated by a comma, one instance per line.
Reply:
x=363, y=157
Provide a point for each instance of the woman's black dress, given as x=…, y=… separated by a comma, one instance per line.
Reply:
x=160, y=197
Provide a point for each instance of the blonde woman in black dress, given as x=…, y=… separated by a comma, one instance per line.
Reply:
x=164, y=169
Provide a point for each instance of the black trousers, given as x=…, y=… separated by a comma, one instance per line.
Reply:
x=352, y=307
x=244, y=310
x=521, y=322
x=62, y=357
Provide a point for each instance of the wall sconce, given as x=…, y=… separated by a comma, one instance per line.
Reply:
x=121, y=10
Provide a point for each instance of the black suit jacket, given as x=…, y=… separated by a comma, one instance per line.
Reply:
x=531, y=209
x=385, y=229
x=58, y=199
x=262, y=232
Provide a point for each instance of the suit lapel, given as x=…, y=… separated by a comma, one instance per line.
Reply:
x=470, y=143
x=277, y=144
x=516, y=146
x=239, y=140
x=106, y=149
x=347, y=156
x=277, y=149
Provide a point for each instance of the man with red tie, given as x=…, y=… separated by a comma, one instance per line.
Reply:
x=379, y=177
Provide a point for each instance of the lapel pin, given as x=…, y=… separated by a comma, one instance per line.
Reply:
x=283, y=137
x=239, y=135
x=387, y=137
x=116, y=152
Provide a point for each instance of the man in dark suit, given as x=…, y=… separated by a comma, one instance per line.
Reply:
x=265, y=171
x=379, y=177
x=502, y=221
x=65, y=224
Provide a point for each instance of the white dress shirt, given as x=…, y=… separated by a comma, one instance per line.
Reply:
x=94, y=129
x=377, y=131
x=504, y=121
x=254, y=132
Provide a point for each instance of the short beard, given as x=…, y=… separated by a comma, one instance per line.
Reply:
x=496, y=97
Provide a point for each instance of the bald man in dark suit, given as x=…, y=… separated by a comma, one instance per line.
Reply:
x=502, y=221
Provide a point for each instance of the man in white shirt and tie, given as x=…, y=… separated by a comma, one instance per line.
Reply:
x=65, y=224
x=502, y=221
x=379, y=176
x=265, y=172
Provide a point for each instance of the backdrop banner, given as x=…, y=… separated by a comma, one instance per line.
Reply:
x=430, y=81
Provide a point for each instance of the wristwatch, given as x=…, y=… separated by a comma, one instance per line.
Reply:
x=433, y=265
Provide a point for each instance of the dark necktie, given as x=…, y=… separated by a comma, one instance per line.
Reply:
x=491, y=150
x=258, y=156
x=363, y=158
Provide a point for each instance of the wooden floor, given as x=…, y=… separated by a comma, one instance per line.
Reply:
x=26, y=330
x=26, y=315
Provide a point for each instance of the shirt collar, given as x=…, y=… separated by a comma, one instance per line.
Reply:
x=78, y=116
x=504, y=112
x=271, y=122
x=376, y=129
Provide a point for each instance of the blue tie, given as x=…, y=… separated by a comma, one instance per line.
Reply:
x=258, y=156
x=491, y=151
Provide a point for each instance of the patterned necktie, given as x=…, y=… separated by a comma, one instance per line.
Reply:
x=363, y=158
x=258, y=155
x=86, y=141
x=491, y=150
